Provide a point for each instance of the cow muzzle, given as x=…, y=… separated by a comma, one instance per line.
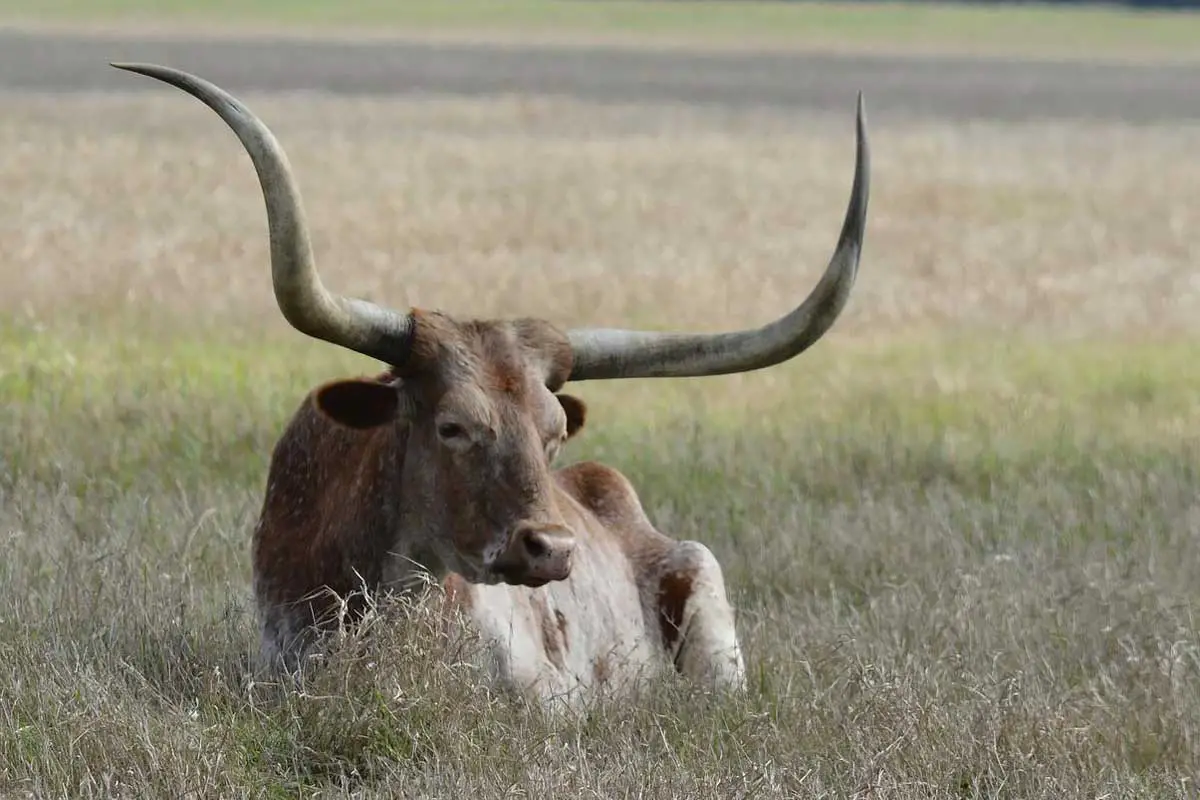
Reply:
x=536, y=555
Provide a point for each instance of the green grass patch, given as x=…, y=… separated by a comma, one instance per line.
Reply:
x=209, y=410
x=130, y=411
x=1093, y=30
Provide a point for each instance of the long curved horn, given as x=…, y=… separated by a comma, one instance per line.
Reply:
x=608, y=353
x=358, y=325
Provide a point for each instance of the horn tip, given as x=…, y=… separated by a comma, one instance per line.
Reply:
x=860, y=125
x=133, y=66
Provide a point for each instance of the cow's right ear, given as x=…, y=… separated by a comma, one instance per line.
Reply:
x=576, y=411
x=359, y=404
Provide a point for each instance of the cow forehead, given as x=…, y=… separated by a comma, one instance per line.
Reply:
x=510, y=394
x=512, y=356
x=508, y=374
x=496, y=374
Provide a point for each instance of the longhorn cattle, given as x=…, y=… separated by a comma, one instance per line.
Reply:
x=443, y=463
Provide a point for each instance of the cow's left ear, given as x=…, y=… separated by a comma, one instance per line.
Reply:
x=360, y=404
x=576, y=411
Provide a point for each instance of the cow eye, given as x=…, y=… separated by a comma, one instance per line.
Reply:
x=450, y=430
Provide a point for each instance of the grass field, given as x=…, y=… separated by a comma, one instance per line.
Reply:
x=961, y=533
x=1095, y=31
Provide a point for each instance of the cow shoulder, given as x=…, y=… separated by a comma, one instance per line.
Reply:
x=317, y=528
x=606, y=493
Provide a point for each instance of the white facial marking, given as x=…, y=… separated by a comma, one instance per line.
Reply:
x=493, y=551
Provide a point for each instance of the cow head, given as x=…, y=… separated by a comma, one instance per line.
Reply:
x=483, y=425
x=477, y=399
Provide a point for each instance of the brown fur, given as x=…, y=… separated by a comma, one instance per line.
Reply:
x=675, y=589
x=446, y=461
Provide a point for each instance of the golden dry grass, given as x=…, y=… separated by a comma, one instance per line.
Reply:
x=599, y=215
x=961, y=534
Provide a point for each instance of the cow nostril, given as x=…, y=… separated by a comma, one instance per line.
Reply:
x=536, y=554
x=535, y=545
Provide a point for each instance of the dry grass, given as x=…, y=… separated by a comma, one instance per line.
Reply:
x=150, y=206
x=961, y=534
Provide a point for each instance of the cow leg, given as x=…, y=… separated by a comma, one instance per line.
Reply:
x=696, y=618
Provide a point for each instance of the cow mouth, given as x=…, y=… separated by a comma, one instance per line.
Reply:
x=513, y=577
x=503, y=575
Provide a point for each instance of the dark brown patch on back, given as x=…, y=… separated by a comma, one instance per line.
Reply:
x=673, y=592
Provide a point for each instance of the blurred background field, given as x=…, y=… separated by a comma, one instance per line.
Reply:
x=1048, y=30
x=960, y=533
